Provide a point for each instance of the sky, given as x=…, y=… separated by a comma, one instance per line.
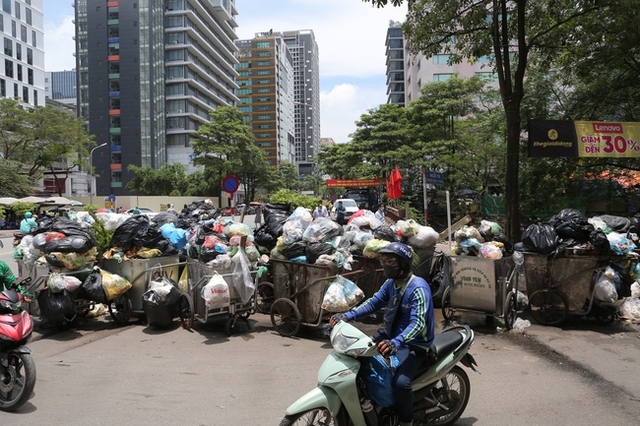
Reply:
x=350, y=36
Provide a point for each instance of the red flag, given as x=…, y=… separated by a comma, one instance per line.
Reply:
x=394, y=184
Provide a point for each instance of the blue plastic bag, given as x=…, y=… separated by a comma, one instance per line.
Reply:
x=377, y=375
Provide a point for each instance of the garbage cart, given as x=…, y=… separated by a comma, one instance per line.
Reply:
x=488, y=286
x=199, y=275
x=563, y=286
x=298, y=293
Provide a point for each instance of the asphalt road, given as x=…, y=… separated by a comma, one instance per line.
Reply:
x=97, y=372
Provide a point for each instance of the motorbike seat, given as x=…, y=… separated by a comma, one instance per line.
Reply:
x=444, y=343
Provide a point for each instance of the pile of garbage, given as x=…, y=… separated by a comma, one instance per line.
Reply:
x=571, y=230
x=295, y=236
x=487, y=241
x=63, y=244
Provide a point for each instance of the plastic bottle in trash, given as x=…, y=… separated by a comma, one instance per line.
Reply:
x=366, y=405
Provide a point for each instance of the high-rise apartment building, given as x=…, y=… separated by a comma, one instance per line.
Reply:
x=148, y=73
x=306, y=68
x=61, y=86
x=21, y=25
x=266, y=94
x=395, y=64
x=418, y=69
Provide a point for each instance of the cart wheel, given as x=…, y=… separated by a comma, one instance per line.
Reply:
x=604, y=316
x=120, y=309
x=228, y=326
x=447, y=311
x=285, y=317
x=548, y=306
x=244, y=315
x=185, y=311
x=265, y=297
x=510, y=314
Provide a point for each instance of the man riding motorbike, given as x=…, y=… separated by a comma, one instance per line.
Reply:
x=409, y=322
x=7, y=279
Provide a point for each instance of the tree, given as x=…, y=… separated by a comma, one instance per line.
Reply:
x=507, y=31
x=170, y=178
x=42, y=138
x=226, y=145
x=14, y=184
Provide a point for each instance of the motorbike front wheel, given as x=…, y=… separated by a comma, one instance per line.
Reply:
x=319, y=417
x=452, y=391
x=17, y=381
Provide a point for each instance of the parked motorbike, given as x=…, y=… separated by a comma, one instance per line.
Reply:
x=17, y=367
x=441, y=387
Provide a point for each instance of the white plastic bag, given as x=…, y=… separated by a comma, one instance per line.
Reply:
x=605, y=289
x=216, y=292
x=242, y=280
x=425, y=237
x=341, y=295
x=55, y=282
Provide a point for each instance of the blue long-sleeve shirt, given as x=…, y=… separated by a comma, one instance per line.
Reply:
x=414, y=322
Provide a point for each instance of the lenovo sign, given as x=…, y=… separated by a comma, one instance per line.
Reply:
x=607, y=128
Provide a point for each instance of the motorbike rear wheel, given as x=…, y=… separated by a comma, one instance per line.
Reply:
x=319, y=417
x=453, y=391
x=17, y=381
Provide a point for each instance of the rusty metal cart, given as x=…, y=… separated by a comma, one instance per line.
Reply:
x=484, y=286
x=199, y=276
x=563, y=286
x=298, y=292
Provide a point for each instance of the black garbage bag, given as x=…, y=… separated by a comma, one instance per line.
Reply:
x=152, y=237
x=160, y=302
x=263, y=238
x=91, y=288
x=616, y=223
x=296, y=249
x=163, y=218
x=599, y=240
x=207, y=254
x=54, y=261
x=623, y=287
x=502, y=238
x=438, y=275
x=567, y=215
x=70, y=228
x=73, y=244
x=275, y=216
x=385, y=233
x=540, y=238
x=315, y=250
x=634, y=225
x=125, y=234
x=56, y=307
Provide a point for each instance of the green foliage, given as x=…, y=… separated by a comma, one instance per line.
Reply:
x=13, y=183
x=20, y=208
x=2, y=212
x=296, y=199
x=103, y=235
x=162, y=181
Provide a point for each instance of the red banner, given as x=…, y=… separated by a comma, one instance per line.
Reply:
x=351, y=183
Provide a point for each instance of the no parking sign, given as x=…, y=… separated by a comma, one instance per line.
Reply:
x=230, y=184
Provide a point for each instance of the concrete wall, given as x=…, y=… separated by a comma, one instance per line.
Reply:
x=156, y=204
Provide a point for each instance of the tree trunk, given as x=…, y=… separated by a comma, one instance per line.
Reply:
x=512, y=201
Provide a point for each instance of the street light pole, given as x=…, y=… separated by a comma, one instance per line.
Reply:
x=91, y=171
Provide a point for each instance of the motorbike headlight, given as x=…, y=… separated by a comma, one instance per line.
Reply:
x=9, y=307
x=341, y=342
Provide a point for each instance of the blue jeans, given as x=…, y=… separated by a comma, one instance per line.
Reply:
x=410, y=358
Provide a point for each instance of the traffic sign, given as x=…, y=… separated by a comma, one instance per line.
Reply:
x=230, y=184
x=436, y=178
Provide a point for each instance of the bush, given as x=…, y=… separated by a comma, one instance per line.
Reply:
x=296, y=199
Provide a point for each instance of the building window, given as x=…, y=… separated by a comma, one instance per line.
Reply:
x=17, y=10
x=441, y=59
x=8, y=68
x=265, y=117
x=19, y=72
x=6, y=6
x=264, y=63
x=243, y=92
x=14, y=31
x=263, y=44
x=441, y=77
x=23, y=33
x=34, y=39
x=29, y=56
x=25, y=94
x=244, y=73
x=8, y=47
x=18, y=51
x=28, y=16
x=264, y=72
x=3, y=88
x=488, y=76
x=266, y=81
x=30, y=76
x=264, y=90
x=35, y=97
x=264, y=54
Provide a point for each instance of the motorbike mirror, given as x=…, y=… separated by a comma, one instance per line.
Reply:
x=518, y=258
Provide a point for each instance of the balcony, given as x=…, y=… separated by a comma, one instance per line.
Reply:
x=114, y=111
x=116, y=184
x=113, y=22
x=115, y=130
x=114, y=76
x=112, y=4
x=114, y=94
x=115, y=166
x=114, y=39
x=113, y=58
